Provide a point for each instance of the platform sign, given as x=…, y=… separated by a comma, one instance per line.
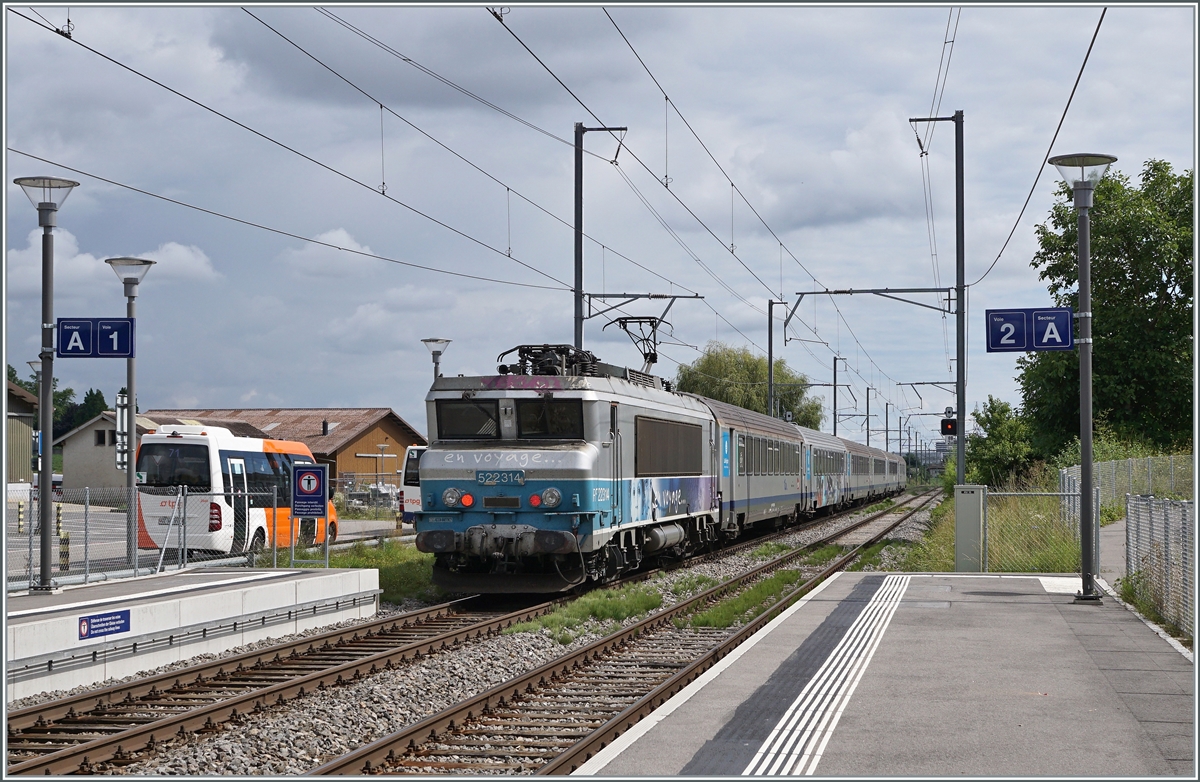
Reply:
x=95, y=338
x=309, y=490
x=108, y=623
x=1027, y=330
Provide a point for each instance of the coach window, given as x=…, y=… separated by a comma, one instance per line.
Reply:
x=468, y=419
x=547, y=418
x=741, y=454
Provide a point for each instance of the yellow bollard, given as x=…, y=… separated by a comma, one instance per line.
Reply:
x=20, y=518
x=64, y=552
x=58, y=519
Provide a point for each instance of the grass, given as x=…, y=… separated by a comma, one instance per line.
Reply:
x=404, y=572
x=935, y=552
x=1029, y=535
x=1110, y=514
x=608, y=606
x=1141, y=593
x=881, y=505
x=770, y=550
x=826, y=553
x=869, y=556
x=692, y=583
x=747, y=604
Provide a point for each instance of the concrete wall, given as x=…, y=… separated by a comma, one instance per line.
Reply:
x=86, y=464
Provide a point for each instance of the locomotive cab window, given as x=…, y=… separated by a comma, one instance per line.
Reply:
x=545, y=418
x=468, y=419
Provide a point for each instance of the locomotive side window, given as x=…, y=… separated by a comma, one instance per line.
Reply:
x=545, y=418
x=668, y=448
x=468, y=419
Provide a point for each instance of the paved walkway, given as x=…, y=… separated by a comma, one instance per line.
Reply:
x=930, y=675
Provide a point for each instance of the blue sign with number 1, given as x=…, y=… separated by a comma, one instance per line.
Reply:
x=1027, y=330
x=95, y=338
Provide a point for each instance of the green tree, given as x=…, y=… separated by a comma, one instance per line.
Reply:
x=738, y=377
x=93, y=404
x=1142, y=306
x=1003, y=452
x=64, y=400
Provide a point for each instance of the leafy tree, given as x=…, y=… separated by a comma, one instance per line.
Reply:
x=738, y=377
x=93, y=404
x=1142, y=305
x=64, y=400
x=1002, y=453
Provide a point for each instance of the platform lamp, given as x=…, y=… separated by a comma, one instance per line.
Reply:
x=47, y=194
x=436, y=347
x=130, y=271
x=1082, y=172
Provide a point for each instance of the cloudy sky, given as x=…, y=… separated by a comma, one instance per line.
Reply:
x=292, y=119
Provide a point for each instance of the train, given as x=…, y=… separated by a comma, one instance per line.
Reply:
x=562, y=471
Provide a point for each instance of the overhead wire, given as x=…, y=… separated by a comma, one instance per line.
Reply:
x=1042, y=167
x=447, y=148
x=279, y=231
x=724, y=173
x=309, y=158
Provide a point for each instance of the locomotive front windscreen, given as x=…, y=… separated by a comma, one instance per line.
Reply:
x=545, y=418
x=468, y=419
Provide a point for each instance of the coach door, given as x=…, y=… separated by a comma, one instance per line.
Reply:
x=240, y=501
x=740, y=502
x=614, y=435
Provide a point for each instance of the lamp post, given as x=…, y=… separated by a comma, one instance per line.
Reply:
x=1082, y=172
x=436, y=347
x=130, y=271
x=47, y=194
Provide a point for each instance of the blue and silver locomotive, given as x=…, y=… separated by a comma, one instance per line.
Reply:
x=560, y=470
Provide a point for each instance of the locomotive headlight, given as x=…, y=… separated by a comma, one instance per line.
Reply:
x=551, y=498
x=450, y=497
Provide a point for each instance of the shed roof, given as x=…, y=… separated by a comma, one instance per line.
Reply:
x=297, y=423
x=21, y=393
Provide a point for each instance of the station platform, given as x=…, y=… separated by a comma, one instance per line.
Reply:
x=84, y=635
x=930, y=675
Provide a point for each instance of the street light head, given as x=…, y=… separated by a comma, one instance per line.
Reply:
x=1082, y=167
x=436, y=346
x=130, y=269
x=36, y=366
x=46, y=189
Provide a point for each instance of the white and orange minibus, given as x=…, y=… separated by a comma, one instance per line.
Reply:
x=239, y=492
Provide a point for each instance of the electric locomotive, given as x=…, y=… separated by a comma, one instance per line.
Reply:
x=562, y=470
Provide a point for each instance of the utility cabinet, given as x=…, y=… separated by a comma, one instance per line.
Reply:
x=968, y=528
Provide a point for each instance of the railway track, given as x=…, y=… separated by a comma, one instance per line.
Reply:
x=115, y=725
x=551, y=720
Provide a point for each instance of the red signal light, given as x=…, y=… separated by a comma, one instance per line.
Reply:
x=535, y=500
x=467, y=500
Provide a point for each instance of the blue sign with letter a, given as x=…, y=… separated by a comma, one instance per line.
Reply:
x=1026, y=330
x=95, y=338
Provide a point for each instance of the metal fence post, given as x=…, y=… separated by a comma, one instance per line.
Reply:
x=33, y=529
x=1096, y=532
x=1129, y=522
x=275, y=526
x=185, y=549
x=1171, y=461
x=87, y=504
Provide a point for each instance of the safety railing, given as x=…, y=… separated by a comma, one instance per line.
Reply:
x=91, y=542
x=1162, y=476
x=1160, y=542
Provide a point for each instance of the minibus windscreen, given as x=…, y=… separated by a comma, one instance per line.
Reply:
x=174, y=464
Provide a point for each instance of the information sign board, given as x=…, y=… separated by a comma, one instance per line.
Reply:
x=309, y=490
x=95, y=338
x=1027, y=330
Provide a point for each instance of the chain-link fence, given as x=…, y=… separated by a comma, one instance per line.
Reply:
x=368, y=496
x=91, y=542
x=1160, y=544
x=1162, y=476
x=1031, y=532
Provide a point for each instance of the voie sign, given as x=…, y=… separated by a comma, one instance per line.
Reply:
x=1026, y=330
x=95, y=338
